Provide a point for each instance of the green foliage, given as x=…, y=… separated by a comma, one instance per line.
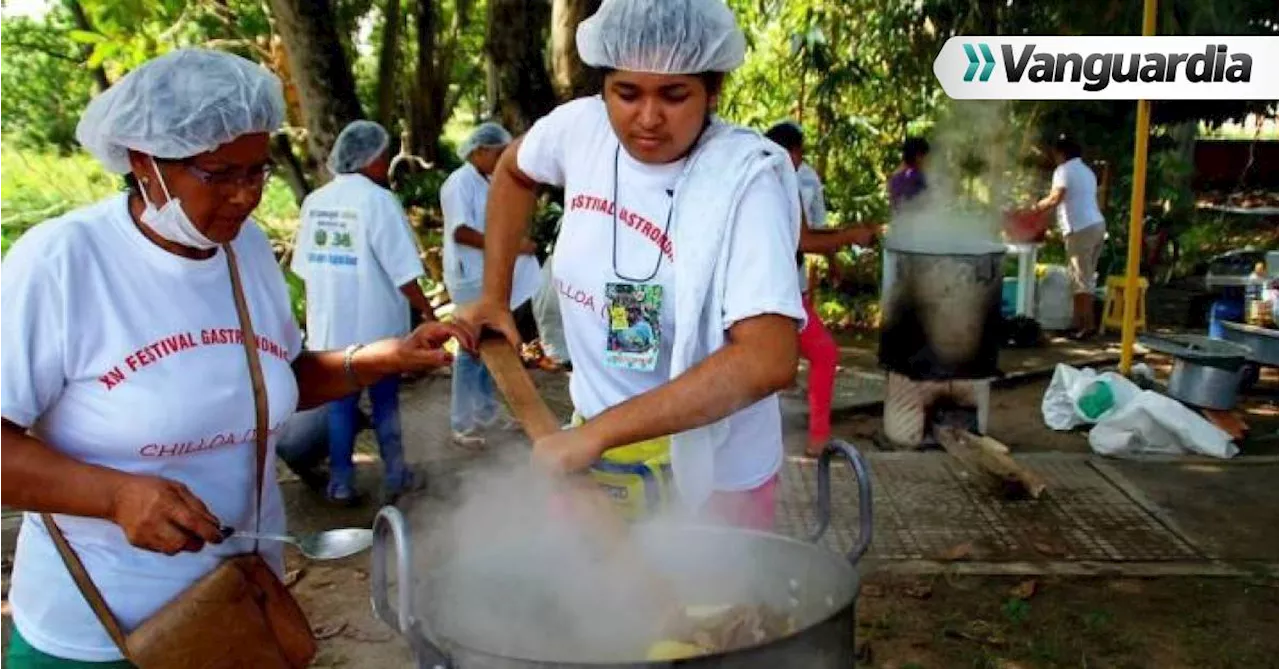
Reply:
x=1016, y=610
x=44, y=89
x=857, y=75
x=38, y=186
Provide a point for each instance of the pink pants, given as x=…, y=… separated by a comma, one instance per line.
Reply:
x=818, y=347
x=749, y=509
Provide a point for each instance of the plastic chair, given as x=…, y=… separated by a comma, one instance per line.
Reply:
x=1113, y=306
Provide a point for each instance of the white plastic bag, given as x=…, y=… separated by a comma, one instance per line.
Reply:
x=1152, y=423
x=546, y=311
x=1059, y=404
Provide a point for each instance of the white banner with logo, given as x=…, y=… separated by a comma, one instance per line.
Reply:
x=1110, y=68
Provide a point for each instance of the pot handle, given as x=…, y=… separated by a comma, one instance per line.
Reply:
x=400, y=617
x=863, y=477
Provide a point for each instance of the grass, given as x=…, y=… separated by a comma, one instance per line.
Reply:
x=37, y=186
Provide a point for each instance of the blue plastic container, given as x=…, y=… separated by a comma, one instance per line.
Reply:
x=1009, y=297
x=1226, y=308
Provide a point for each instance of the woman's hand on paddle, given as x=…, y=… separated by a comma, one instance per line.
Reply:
x=489, y=314
x=164, y=516
x=567, y=451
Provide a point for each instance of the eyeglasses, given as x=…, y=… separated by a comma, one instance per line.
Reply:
x=253, y=177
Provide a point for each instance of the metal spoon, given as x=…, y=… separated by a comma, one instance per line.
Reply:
x=327, y=545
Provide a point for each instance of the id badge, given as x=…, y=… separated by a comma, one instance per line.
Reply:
x=635, y=332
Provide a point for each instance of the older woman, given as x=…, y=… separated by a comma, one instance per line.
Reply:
x=675, y=261
x=127, y=405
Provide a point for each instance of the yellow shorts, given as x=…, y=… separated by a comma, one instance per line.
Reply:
x=636, y=476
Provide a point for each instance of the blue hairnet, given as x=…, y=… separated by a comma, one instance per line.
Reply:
x=486, y=134
x=662, y=36
x=359, y=144
x=181, y=104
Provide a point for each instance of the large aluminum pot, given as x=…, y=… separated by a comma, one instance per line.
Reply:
x=512, y=621
x=940, y=314
x=1206, y=372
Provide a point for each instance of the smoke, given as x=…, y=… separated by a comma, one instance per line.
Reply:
x=509, y=568
x=969, y=170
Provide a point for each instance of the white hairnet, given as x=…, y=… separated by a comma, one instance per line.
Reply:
x=662, y=36
x=356, y=146
x=486, y=134
x=183, y=103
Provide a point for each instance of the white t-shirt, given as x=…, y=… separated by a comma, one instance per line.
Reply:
x=463, y=199
x=815, y=208
x=120, y=354
x=1079, y=206
x=575, y=147
x=354, y=250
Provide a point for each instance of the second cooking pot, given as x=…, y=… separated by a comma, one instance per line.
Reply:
x=940, y=314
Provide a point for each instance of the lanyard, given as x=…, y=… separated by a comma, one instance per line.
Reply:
x=665, y=228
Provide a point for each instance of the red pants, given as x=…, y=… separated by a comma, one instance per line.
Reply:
x=818, y=347
x=748, y=509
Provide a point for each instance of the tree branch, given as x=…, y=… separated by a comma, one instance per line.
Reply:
x=82, y=22
x=48, y=51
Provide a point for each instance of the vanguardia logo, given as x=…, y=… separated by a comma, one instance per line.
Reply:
x=1110, y=67
x=987, y=58
x=1098, y=70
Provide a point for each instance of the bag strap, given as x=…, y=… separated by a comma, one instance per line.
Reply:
x=84, y=583
x=260, y=406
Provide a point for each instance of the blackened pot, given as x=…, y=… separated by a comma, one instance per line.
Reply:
x=940, y=315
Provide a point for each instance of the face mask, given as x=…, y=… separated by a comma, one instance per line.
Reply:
x=170, y=221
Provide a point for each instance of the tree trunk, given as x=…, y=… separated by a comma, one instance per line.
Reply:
x=82, y=23
x=318, y=66
x=387, y=64
x=517, y=31
x=289, y=168
x=427, y=97
x=569, y=76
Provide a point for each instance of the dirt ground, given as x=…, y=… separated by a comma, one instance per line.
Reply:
x=1003, y=623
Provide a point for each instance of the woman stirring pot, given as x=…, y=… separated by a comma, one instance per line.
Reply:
x=675, y=262
x=129, y=411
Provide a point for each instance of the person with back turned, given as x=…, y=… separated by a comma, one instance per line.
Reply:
x=359, y=260
x=816, y=343
x=1074, y=195
x=463, y=197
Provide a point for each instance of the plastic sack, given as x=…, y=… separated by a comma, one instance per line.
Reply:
x=1074, y=397
x=1152, y=423
x=546, y=311
x=1059, y=403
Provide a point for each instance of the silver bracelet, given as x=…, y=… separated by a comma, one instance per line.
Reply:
x=347, y=356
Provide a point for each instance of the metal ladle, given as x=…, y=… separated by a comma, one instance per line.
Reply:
x=327, y=545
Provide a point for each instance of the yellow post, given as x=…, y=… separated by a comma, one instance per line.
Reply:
x=1137, y=206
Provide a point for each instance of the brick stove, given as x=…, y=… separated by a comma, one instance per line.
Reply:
x=913, y=408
